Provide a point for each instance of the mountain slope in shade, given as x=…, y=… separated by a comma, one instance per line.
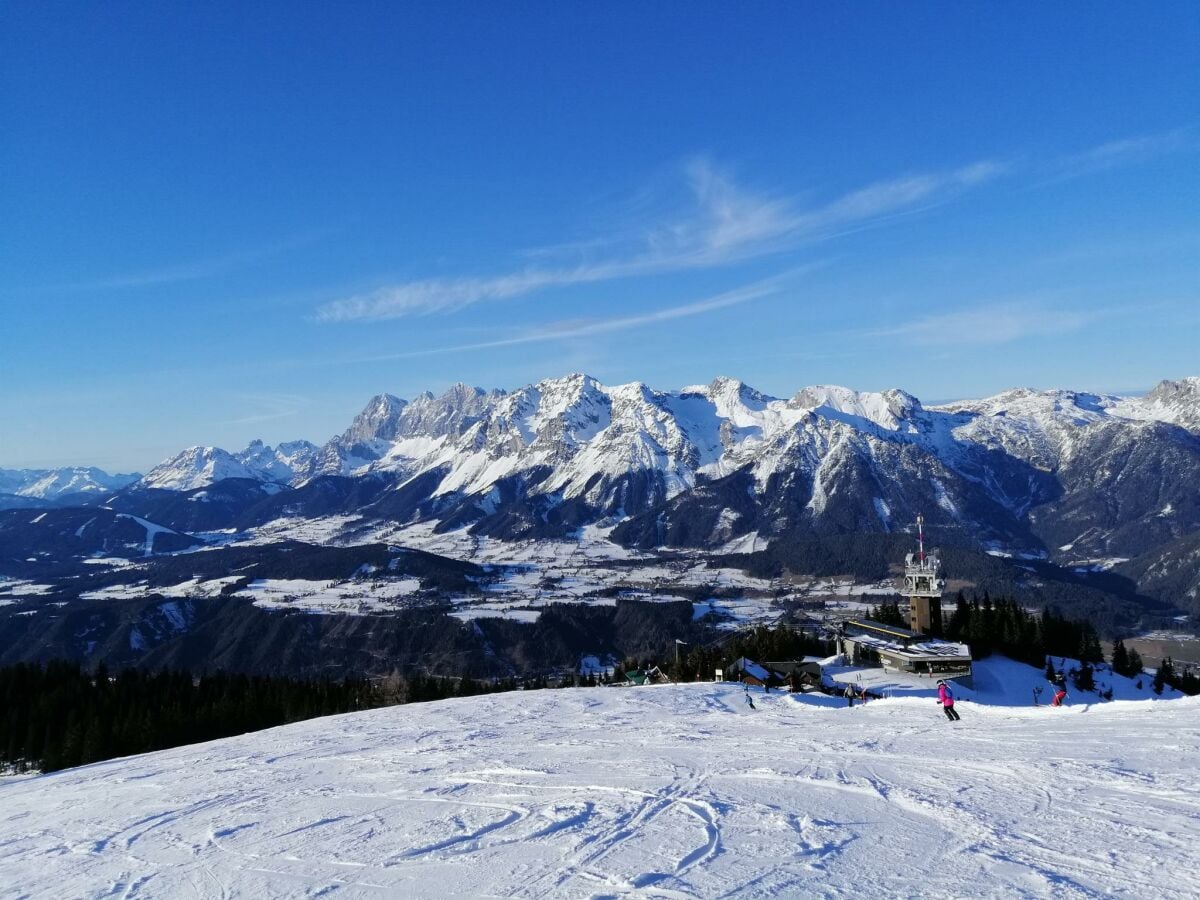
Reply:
x=672, y=790
x=54, y=535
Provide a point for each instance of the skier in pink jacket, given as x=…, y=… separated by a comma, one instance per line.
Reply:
x=946, y=698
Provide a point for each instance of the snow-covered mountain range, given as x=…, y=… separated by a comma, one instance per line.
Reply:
x=1086, y=480
x=1060, y=472
x=197, y=467
x=1024, y=469
x=52, y=484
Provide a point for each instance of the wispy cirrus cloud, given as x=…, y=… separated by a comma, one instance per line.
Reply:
x=1123, y=152
x=196, y=269
x=576, y=328
x=724, y=223
x=996, y=323
x=268, y=408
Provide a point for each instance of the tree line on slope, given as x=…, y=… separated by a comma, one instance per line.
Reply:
x=1007, y=627
x=698, y=661
x=57, y=715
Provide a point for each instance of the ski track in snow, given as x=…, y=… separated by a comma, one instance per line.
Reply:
x=664, y=791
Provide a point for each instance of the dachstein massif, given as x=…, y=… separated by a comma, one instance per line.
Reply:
x=515, y=530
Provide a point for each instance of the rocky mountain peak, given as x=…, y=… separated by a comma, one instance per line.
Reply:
x=378, y=420
x=887, y=409
x=1177, y=402
x=452, y=413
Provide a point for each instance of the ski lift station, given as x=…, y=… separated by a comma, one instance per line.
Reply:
x=901, y=650
x=914, y=649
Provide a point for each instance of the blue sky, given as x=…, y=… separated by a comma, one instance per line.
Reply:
x=222, y=222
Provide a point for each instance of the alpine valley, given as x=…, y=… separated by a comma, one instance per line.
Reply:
x=494, y=532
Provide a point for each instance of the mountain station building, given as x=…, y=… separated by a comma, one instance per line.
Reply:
x=901, y=650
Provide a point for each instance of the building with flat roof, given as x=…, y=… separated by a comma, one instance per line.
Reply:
x=863, y=641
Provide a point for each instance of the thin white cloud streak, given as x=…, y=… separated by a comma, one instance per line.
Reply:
x=1000, y=323
x=196, y=270
x=270, y=407
x=726, y=224
x=1123, y=152
x=576, y=329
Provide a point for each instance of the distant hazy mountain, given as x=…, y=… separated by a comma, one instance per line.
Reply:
x=200, y=466
x=52, y=484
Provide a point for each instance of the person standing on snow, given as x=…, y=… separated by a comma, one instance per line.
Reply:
x=1059, y=696
x=849, y=695
x=946, y=698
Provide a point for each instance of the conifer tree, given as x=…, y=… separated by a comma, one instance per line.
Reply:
x=1135, y=663
x=1120, y=658
x=1085, y=679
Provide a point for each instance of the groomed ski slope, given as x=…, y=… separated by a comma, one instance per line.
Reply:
x=663, y=791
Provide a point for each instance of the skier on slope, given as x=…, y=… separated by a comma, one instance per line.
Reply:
x=1059, y=696
x=849, y=695
x=946, y=699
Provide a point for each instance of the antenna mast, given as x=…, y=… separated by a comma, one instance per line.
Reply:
x=923, y=587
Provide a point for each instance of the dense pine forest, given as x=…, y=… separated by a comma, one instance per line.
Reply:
x=57, y=716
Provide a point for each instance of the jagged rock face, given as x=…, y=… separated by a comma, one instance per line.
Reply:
x=379, y=421
x=368, y=438
x=195, y=467
x=1177, y=402
x=1170, y=572
x=1125, y=490
x=450, y=414
x=390, y=433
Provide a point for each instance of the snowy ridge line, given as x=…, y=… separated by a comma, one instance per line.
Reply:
x=582, y=427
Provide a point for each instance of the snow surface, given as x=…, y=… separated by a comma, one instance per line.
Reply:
x=526, y=576
x=998, y=681
x=663, y=791
x=358, y=597
x=152, y=531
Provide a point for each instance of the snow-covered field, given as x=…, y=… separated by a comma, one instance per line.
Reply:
x=664, y=791
x=528, y=576
x=347, y=597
